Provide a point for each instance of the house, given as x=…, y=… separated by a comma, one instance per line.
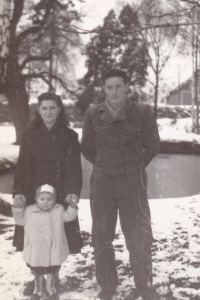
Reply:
x=148, y=93
x=164, y=92
x=182, y=94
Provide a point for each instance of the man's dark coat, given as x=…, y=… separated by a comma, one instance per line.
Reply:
x=121, y=146
x=53, y=157
x=120, y=149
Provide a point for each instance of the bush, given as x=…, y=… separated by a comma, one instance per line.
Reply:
x=73, y=112
x=90, y=95
x=174, y=112
x=76, y=112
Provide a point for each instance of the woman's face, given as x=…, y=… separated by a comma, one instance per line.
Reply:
x=49, y=111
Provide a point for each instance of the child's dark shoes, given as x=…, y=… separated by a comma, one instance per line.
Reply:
x=54, y=297
x=35, y=297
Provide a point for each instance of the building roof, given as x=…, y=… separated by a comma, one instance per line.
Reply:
x=183, y=84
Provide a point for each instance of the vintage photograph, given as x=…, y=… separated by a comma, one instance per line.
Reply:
x=100, y=149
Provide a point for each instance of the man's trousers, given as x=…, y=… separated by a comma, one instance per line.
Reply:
x=126, y=194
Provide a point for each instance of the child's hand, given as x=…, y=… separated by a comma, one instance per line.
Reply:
x=19, y=201
x=72, y=199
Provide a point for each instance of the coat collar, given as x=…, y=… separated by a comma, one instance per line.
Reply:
x=35, y=208
x=42, y=129
x=106, y=115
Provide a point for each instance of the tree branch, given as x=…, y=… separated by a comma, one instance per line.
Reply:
x=30, y=30
x=97, y=30
x=33, y=58
x=151, y=82
x=37, y=75
x=42, y=76
x=61, y=82
x=168, y=56
x=34, y=28
x=192, y=2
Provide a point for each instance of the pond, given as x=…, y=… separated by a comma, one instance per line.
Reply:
x=170, y=176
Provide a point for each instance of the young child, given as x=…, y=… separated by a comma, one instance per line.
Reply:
x=45, y=243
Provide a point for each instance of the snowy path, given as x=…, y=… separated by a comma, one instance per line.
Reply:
x=176, y=256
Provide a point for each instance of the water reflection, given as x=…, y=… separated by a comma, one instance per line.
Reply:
x=174, y=176
x=170, y=176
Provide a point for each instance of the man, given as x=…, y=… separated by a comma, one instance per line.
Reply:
x=120, y=138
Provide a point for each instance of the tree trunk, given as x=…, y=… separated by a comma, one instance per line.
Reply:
x=17, y=97
x=156, y=95
x=4, y=40
x=15, y=84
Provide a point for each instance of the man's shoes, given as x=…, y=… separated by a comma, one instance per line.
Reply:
x=150, y=295
x=106, y=295
x=133, y=295
x=35, y=297
x=29, y=289
x=54, y=297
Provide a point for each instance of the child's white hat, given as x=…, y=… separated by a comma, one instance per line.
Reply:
x=46, y=188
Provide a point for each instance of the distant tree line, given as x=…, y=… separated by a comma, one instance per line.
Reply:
x=122, y=47
x=139, y=39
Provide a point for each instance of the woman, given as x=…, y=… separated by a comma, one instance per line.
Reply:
x=49, y=154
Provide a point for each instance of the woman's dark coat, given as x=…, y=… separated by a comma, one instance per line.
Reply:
x=53, y=157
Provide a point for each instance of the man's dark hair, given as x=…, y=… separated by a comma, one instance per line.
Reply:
x=114, y=73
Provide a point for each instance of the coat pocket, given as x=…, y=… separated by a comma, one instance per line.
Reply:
x=132, y=131
x=130, y=136
x=100, y=134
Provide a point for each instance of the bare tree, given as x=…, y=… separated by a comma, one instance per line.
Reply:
x=161, y=39
x=4, y=41
x=195, y=3
x=39, y=34
x=190, y=44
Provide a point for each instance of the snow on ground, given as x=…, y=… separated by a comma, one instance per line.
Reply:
x=65, y=101
x=176, y=250
x=176, y=256
x=177, y=131
x=8, y=152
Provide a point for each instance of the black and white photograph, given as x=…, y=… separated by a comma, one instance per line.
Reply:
x=100, y=149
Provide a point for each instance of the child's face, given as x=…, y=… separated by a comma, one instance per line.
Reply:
x=45, y=201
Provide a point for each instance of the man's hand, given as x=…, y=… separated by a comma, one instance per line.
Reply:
x=72, y=199
x=19, y=201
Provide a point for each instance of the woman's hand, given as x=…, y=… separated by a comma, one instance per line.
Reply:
x=19, y=201
x=72, y=199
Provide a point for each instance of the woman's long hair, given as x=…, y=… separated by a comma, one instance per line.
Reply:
x=61, y=118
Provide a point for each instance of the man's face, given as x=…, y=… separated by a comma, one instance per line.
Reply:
x=115, y=90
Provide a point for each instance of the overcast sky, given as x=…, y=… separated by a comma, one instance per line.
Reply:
x=94, y=11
